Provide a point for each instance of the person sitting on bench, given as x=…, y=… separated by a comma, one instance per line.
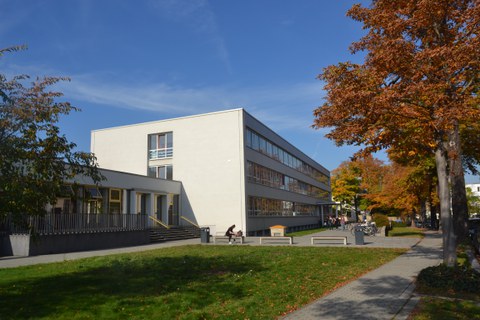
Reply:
x=230, y=233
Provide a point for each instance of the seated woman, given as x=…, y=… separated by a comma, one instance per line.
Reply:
x=230, y=233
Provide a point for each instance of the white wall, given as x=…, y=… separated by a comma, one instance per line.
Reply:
x=475, y=187
x=207, y=159
x=121, y=148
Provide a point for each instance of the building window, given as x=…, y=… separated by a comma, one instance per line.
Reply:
x=271, y=178
x=93, y=200
x=141, y=203
x=161, y=172
x=115, y=204
x=273, y=207
x=265, y=146
x=160, y=145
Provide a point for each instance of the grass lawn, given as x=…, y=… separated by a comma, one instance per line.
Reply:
x=189, y=282
x=432, y=308
x=406, y=232
x=305, y=232
x=448, y=293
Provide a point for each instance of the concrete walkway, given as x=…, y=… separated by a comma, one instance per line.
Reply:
x=384, y=293
x=16, y=261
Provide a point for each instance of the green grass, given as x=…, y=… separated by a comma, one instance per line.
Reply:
x=406, y=232
x=189, y=282
x=305, y=232
x=432, y=308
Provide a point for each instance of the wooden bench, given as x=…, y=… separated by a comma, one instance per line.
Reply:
x=314, y=238
x=263, y=239
x=224, y=237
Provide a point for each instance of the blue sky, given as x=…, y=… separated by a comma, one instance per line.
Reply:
x=136, y=61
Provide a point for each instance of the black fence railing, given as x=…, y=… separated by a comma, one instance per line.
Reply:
x=73, y=223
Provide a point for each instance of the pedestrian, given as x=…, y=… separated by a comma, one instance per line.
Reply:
x=230, y=233
x=342, y=222
x=331, y=222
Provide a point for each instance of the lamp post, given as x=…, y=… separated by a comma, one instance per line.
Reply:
x=355, y=201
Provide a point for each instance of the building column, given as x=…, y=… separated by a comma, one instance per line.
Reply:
x=133, y=202
x=125, y=201
x=321, y=213
x=149, y=207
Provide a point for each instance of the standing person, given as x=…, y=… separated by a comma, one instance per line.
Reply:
x=230, y=233
x=342, y=222
x=331, y=222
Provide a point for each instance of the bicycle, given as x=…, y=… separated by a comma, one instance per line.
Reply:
x=368, y=229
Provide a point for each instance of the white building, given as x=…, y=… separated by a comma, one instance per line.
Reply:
x=233, y=170
x=475, y=187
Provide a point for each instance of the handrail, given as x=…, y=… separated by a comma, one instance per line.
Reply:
x=189, y=221
x=58, y=223
x=159, y=222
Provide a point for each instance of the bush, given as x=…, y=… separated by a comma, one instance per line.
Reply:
x=458, y=278
x=381, y=220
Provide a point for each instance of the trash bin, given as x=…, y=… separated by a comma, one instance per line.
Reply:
x=205, y=235
x=359, y=240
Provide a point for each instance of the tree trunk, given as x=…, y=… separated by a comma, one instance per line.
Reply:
x=412, y=218
x=459, y=194
x=449, y=243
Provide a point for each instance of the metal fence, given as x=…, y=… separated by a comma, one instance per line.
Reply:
x=73, y=223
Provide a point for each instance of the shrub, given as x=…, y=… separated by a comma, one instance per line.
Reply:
x=381, y=220
x=458, y=278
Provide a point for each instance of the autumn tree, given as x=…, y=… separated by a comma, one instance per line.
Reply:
x=356, y=182
x=35, y=158
x=417, y=86
x=345, y=183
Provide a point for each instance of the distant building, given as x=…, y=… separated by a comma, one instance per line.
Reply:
x=233, y=170
x=475, y=187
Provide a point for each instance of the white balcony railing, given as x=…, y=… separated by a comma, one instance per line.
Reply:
x=160, y=153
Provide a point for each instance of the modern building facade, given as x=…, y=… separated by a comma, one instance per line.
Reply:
x=233, y=170
x=116, y=212
x=120, y=193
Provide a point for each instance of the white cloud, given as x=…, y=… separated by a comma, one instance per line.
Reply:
x=281, y=107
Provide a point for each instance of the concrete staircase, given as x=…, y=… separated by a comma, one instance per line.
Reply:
x=161, y=234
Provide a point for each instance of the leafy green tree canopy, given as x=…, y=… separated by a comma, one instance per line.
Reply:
x=35, y=158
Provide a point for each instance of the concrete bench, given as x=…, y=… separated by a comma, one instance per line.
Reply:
x=289, y=239
x=224, y=237
x=315, y=238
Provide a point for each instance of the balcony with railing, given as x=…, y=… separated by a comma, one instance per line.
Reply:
x=163, y=153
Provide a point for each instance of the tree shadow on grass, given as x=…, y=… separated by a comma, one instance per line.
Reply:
x=125, y=286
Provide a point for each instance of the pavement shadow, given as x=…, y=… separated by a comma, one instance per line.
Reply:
x=379, y=298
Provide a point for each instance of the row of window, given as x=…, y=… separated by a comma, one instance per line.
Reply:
x=92, y=200
x=273, y=207
x=271, y=178
x=265, y=146
x=95, y=200
x=162, y=172
x=160, y=145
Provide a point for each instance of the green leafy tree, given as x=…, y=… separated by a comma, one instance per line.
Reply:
x=473, y=202
x=345, y=182
x=35, y=158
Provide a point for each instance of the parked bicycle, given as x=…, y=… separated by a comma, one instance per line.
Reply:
x=368, y=228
